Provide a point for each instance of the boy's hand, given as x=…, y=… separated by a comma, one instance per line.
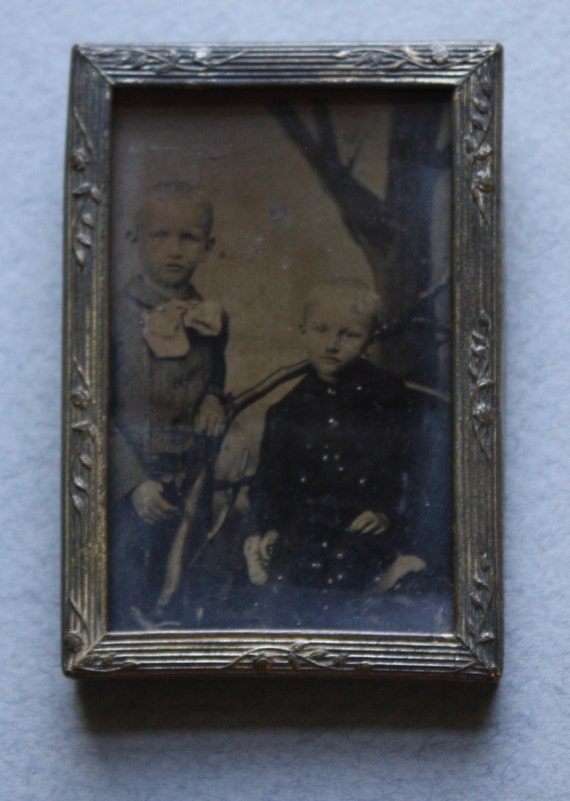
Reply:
x=267, y=546
x=369, y=523
x=150, y=504
x=211, y=417
x=258, y=551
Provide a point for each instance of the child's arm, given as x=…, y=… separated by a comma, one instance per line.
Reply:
x=211, y=417
x=149, y=502
x=132, y=481
x=129, y=471
x=369, y=522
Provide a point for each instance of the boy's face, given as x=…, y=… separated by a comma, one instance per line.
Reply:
x=336, y=334
x=174, y=241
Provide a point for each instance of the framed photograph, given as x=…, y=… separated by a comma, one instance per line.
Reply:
x=281, y=365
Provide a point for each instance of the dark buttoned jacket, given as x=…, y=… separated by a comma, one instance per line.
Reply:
x=329, y=453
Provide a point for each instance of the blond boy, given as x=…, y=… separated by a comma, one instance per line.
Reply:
x=168, y=372
x=330, y=492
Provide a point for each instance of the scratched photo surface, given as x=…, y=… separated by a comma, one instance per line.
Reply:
x=280, y=411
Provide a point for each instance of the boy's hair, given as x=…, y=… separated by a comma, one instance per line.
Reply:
x=168, y=191
x=362, y=299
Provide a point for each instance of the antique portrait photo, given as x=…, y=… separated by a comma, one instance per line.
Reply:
x=280, y=325
x=281, y=442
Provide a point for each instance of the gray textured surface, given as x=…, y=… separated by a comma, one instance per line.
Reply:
x=246, y=740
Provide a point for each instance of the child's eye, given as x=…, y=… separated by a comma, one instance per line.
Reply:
x=188, y=237
x=351, y=332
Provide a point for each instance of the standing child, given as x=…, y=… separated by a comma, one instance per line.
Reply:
x=167, y=378
x=331, y=493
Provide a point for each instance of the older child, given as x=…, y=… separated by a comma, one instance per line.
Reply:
x=167, y=376
x=330, y=494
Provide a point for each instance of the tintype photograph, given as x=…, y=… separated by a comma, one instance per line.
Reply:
x=280, y=324
x=282, y=360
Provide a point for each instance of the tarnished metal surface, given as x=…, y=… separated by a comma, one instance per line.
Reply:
x=472, y=72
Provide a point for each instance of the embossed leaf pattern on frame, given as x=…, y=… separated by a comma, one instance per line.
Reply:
x=83, y=440
x=81, y=461
x=478, y=146
x=395, y=59
x=86, y=196
x=301, y=654
x=164, y=61
x=90, y=649
x=483, y=413
x=109, y=663
x=481, y=598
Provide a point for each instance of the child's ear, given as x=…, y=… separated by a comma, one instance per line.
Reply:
x=210, y=243
x=369, y=349
x=302, y=327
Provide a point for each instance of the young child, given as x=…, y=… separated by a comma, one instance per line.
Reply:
x=330, y=491
x=167, y=379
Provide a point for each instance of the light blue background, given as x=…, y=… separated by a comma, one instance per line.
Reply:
x=210, y=740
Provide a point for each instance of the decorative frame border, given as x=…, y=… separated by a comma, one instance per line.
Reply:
x=473, y=72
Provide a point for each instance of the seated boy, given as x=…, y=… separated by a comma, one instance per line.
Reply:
x=330, y=492
x=167, y=377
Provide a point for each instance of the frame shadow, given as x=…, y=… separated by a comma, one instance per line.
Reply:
x=179, y=704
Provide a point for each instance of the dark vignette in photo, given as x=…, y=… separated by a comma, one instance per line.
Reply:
x=280, y=437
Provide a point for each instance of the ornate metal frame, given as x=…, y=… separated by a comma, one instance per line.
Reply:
x=472, y=72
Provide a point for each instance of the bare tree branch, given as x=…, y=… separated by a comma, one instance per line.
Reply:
x=394, y=231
